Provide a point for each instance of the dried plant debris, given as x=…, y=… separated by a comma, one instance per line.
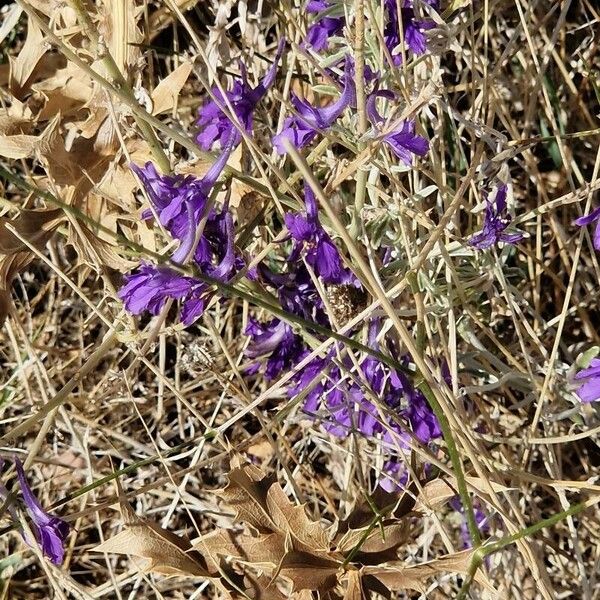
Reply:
x=311, y=283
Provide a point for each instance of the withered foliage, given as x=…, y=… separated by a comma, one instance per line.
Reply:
x=275, y=550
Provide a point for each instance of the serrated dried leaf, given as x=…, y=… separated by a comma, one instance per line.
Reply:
x=294, y=520
x=261, y=502
x=263, y=550
x=166, y=92
x=164, y=552
x=395, y=535
x=308, y=571
x=397, y=576
x=246, y=493
x=35, y=226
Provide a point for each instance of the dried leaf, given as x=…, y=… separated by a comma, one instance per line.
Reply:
x=354, y=589
x=22, y=67
x=397, y=576
x=165, y=552
x=262, y=503
x=36, y=226
x=246, y=493
x=9, y=267
x=437, y=492
x=308, y=571
x=24, y=146
x=294, y=520
x=263, y=588
x=395, y=535
x=262, y=550
x=166, y=92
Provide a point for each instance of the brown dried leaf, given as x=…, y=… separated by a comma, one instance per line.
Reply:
x=263, y=588
x=166, y=92
x=354, y=589
x=294, y=520
x=308, y=571
x=395, y=535
x=65, y=92
x=164, y=552
x=246, y=493
x=262, y=503
x=9, y=267
x=437, y=492
x=36, y=226
x=263, y=550
x=23, y=65
x=397, y=576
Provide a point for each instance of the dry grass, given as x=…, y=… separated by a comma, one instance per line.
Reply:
x=90, y=394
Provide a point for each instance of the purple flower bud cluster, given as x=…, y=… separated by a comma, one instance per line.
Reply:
x=214, y=122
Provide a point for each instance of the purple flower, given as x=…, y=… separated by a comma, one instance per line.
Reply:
x=495, y=222
x=481, y=519
x=296, y=292
x=276, y=339
x=179, y=201
x=402, y=141
x=393, y=476
x=213, y=120
x=587, y=220
x=323, y=28
x=414, y=29
x=319, y=250
x=589, y=390
x=50, y=532
x=148, y=288
x=302, y=129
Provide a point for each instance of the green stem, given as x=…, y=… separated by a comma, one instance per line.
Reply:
x=461, y=481
x=481, y=553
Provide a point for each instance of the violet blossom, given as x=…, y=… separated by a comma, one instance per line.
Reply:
x=182, y=205
x=180, y=201
x=588, y=380
x=213, y=118
x=481, y=520
x=414, y=29
x=51, y=532
x=324, y=27
x=594, y=216
x=313, y=242
x=496, y=221
x=277, y=340
x=302, y=129
x=402, y=140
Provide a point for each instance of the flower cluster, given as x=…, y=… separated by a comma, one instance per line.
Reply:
x=588, y=381
x=404, y=25
x=375, y=400
x=206, y=239
x=214, y=119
